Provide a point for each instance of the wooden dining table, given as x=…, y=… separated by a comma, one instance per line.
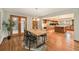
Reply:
x=39, y=33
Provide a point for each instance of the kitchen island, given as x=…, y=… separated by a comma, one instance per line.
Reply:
x=60, y=28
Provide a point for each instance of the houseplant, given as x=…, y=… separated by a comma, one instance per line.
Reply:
x=8, y=25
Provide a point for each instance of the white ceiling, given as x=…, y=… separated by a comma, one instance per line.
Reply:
x=33, y=12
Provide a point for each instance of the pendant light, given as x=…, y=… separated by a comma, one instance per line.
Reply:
x=36, y=15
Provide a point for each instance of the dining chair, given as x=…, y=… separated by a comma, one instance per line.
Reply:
x=30, y=39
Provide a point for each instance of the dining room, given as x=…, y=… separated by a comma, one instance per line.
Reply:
x=39, y=29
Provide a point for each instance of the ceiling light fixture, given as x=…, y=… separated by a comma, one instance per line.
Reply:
x=36, y=15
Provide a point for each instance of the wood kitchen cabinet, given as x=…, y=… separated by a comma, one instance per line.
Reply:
x=60, y=29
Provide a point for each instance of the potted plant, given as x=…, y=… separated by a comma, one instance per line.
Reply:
x=8, y=25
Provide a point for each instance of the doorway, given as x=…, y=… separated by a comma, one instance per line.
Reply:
x=20, y=24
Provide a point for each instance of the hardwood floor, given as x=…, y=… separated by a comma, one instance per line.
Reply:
x=61, y=41
x=14, y=44
x=55, y=42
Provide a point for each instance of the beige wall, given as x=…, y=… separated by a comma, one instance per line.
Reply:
x=1, y=34
x=76, y=25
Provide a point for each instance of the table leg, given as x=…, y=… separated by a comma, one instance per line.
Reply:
x=29, y=45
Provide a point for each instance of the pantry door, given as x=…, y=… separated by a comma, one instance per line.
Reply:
x=20, y=24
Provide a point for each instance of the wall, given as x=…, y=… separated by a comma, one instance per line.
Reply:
x=76, y=23
x=1, y=14
x=68, y=11
x=29, y=22
x=1, y=32
x=40, y=22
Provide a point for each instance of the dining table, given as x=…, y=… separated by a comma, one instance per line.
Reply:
x=39, y=33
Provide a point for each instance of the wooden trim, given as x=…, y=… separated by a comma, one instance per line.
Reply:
x=11, y=28
x=18, y=16
x=19, y=23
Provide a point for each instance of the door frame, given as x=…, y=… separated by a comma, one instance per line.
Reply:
x=19, y=24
